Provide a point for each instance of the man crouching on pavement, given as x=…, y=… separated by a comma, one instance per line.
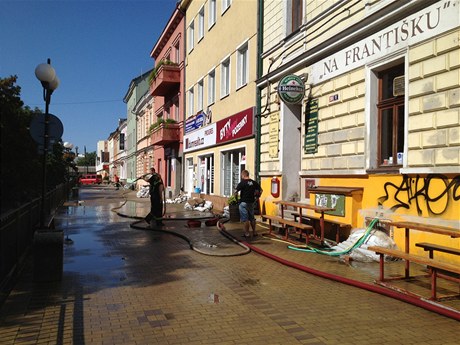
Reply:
x=249, y=190
x=156, y=190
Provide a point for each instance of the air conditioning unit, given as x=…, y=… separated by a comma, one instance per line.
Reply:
x=398, y=86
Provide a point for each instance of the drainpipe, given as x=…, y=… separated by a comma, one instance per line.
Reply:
x=260, y=27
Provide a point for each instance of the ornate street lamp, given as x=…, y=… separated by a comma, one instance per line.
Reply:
x=47, y=76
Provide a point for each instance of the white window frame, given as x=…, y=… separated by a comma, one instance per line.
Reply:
x=211, y=87
x=225, y=77
x=242, y=65
x=191, y=36
x=212, y=16
x=201, y=24
x=200, y=100
x=226, y=5
x=191, y=101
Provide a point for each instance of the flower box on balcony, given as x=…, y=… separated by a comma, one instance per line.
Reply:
x=167, y=78
x=165, y=133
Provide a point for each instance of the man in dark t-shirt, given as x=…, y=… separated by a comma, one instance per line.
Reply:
x=156, y=198
x=248, y=189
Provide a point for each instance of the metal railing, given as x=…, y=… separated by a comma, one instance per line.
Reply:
x=17, y=229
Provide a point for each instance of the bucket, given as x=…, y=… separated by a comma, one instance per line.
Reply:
x=197, y=190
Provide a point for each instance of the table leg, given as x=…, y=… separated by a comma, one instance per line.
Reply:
x=407, y=273
x=321, y=225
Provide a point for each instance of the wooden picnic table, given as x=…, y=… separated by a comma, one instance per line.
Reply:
x=302, y=206
x=435, y=229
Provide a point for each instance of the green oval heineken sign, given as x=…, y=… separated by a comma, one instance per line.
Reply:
x=291, y=89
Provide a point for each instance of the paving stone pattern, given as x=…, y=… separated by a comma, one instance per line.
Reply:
x=139, y=286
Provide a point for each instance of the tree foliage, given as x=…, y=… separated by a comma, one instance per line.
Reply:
x=89, y=159
x=21, y=168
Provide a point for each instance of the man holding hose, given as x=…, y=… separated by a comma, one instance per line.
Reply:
x=156, y=190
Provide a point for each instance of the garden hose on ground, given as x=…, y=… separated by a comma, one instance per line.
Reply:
x=355, y=245
x=220, y=227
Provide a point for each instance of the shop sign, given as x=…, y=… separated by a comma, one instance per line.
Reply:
x=194, y=122
x=201, y=138
x=311, y=127
x=429, y=22
x=273, y=135
x=236, y=127
x=291, y=89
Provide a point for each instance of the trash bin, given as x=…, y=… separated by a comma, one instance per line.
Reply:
x=75, y=191
x=197, y=190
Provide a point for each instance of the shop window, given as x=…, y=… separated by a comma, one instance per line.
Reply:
x=391, y=119
x=233, y=162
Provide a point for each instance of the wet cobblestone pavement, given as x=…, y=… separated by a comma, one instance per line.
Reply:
x=125, y=285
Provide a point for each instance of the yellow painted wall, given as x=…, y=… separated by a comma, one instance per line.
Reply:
x=221, y=41
x=415, y=195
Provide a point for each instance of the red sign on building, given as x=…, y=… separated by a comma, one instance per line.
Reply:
x=235, y=127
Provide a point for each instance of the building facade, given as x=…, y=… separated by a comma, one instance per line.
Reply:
x=166, y=87
x=118, y=164
x=378, y=131
x=136, y=90
x=102, y=158
x=220, y=94
x=144, y=151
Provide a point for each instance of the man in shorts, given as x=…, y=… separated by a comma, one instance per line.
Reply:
x=248, y=190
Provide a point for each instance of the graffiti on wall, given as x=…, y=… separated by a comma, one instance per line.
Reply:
x=434, y=192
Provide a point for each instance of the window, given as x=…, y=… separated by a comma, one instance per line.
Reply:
x=225, y=5
x=176, y=110
x=390, y=118
x=200, y=95
x=242, y=66
x=177, y=52
x=191, y=106
x=225, y=78
x=201, y=24
x=211, y=87
x=191, y=36
x=294, y=15
x=212, y=13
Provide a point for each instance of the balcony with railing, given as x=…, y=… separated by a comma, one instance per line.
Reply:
x=167, y=79
x=165, y=133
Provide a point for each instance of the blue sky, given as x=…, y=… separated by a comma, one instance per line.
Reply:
x=96, y=47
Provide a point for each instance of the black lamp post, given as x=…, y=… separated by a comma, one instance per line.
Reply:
x=47, y=76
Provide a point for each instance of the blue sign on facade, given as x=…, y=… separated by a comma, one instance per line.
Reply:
x=194, y=122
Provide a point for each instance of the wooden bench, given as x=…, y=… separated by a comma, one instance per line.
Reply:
x=339, y=226
x=434, y=266
x=300, y=227
x=431, y=247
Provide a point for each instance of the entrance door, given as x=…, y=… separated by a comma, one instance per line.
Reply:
x=189, y=186
x=206, y=174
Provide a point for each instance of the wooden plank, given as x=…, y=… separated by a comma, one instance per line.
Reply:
x=437, y=229
x=288, y=222
x=302, y=205
x=431, y=246
x=342, y=225
x=416, y=258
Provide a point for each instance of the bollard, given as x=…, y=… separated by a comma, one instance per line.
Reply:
x=48, y=250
